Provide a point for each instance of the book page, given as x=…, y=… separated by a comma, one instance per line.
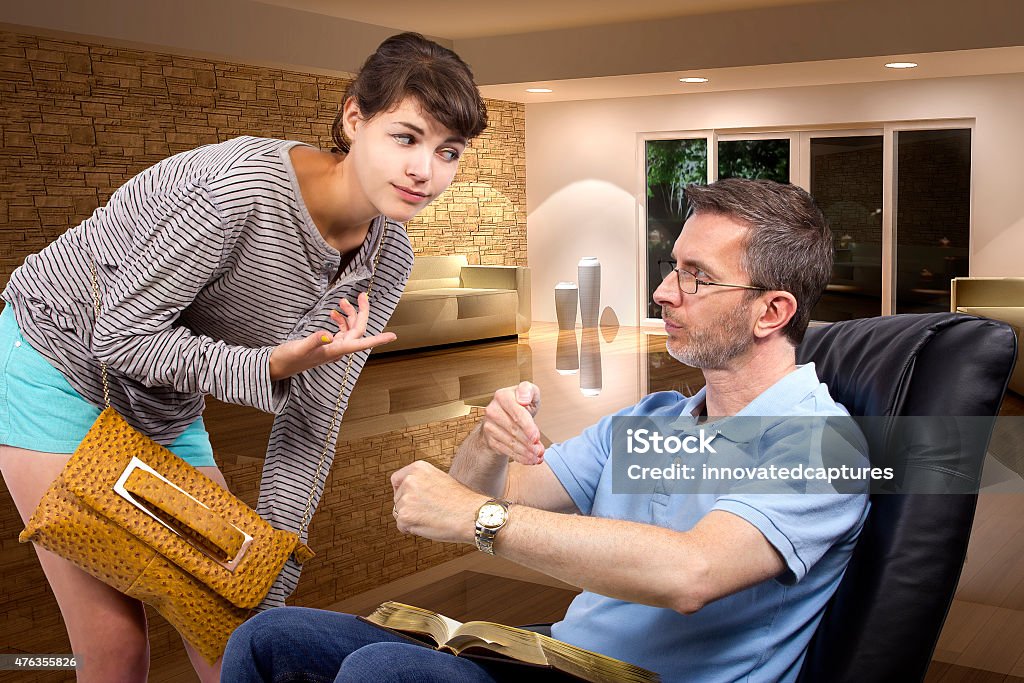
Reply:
x=593, y=666
x=504, y=640
x=400, y=617
x=451, y=626
x=507, y=641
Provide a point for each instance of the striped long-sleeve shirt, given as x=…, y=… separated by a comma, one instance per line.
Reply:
x=206, y=262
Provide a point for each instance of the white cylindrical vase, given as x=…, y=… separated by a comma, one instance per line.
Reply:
x=589, y=276
x=565, y=305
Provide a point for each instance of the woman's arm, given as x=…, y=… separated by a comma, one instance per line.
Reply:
x=136, y=332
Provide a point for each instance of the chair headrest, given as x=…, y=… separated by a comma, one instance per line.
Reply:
x=867, y=363
x=911, y=377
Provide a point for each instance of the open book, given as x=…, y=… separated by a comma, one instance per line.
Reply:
x=487, y=638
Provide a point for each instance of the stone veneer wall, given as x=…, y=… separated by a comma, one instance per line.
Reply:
x=78, y=119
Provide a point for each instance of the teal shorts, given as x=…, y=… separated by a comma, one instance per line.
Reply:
x=40, y=411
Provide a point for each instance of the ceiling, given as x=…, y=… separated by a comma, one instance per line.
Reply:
x=458, y=19
x=596, y=49
x=981, y=62
x=581, y=49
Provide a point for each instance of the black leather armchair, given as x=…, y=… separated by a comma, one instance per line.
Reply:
x=884, y=620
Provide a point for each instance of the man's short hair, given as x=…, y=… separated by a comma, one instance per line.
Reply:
x=789, y=244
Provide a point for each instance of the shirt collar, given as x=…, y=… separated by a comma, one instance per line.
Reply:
x=778, y=400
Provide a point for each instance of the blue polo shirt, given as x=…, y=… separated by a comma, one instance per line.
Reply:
x=758, y=634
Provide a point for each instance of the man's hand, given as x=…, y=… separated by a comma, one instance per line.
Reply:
x=431, y=504
x=320, y=348
x=508, y=427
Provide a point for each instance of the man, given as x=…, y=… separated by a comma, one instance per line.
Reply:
x=699, y=587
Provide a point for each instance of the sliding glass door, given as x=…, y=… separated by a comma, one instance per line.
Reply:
x=933, y=216
x=672, y=163
x=846, y=182
x=669, y=166
x=762, y=155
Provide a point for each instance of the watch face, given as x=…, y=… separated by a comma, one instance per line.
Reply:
x=492, y=515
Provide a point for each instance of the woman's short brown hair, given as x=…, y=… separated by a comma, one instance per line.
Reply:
x=409, y=65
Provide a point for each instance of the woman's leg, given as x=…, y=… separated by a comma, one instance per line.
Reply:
x=208, y=673
x=107, y=628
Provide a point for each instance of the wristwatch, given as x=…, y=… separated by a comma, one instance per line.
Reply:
x=490, y=518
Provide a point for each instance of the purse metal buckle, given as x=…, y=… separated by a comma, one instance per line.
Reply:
x=119, y=489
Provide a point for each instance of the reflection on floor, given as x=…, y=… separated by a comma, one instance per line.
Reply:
x=422, y=402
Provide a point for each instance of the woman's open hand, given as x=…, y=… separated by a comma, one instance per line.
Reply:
x=320, y=348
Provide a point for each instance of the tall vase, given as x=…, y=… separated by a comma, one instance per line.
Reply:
x=589, y=275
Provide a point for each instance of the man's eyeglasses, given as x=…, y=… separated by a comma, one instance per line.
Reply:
x=688, y=281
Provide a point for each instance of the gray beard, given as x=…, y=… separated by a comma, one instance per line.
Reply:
x=713, y=350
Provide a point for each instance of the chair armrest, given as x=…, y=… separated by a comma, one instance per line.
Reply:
x=504, y=277
x=489, y=277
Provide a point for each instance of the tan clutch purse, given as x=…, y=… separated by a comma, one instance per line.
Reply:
x=139, y=518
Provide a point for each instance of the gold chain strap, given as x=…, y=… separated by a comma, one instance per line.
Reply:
x=307, y=515
x=96, y=307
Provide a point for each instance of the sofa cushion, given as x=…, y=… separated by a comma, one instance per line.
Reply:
x=448, y=316
x=1013, y=315
x=431, y=272
x=447, y=301
x=456, y=303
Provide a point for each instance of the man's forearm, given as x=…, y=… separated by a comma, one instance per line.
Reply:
x=478, y=468
x=625, y=560
x=647, y=564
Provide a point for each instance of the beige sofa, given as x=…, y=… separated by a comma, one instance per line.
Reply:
x=1000, y=298
x=448, y=301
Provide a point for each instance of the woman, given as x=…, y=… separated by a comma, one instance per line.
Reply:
x=219, y=270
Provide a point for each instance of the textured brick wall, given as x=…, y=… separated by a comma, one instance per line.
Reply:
x=483, y=214
x=79, y=119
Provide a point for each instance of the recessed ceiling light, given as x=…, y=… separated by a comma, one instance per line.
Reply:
x=693, y=79
x=901, y=65
x=539, y=90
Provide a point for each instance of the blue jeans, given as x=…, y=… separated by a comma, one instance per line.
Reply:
x=313, y=646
